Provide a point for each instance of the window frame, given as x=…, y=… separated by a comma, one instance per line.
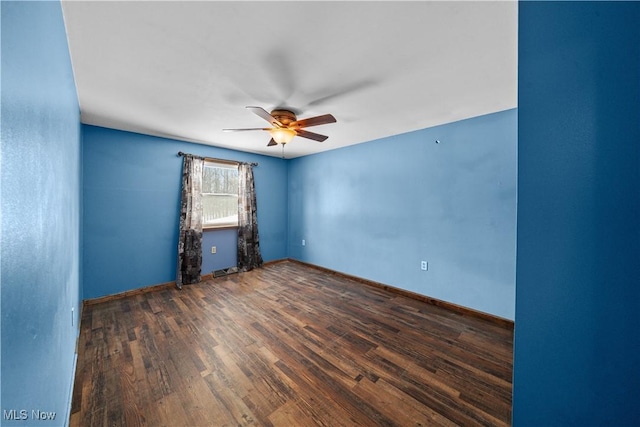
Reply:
x=219, y=225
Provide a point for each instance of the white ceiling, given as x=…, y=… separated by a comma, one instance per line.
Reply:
x=187, y=69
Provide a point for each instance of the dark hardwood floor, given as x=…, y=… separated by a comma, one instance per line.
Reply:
x=288, y=345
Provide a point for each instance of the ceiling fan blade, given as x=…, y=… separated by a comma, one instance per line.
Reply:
x=241, y=130
x=311, y=135
x=345, y=90
x=313, y=121
x=265, y=115
x=272, y=143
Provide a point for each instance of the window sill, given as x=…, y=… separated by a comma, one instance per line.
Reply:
x=217, y=227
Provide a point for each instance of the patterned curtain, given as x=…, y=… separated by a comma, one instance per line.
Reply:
x=190, y=238
x=248, y=242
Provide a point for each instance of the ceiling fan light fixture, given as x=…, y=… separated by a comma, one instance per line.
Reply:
x=282, y=135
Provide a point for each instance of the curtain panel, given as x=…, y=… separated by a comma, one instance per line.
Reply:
x=249, y=256
x=190, y=236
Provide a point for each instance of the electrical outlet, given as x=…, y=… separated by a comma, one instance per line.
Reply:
x=303, y=242
x=213, y=249
x=424, y=265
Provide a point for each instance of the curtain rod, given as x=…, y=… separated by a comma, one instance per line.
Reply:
x=212, y=159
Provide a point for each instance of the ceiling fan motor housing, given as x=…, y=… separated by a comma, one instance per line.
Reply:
x=284, y=116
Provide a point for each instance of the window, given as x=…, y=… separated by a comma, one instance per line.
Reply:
x=219, y=195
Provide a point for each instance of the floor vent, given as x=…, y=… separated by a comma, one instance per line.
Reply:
x=225, y=272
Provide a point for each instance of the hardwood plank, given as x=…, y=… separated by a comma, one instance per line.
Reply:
x=235, y=408
x=290, y=414
x=286, y=345
x=396, y=404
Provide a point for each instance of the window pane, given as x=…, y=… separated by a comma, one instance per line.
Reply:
x=219, y=209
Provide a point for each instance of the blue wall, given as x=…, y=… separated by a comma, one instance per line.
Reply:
x=376, y=210
x=577, y=339
x=131, y=207
x=226, y=243
x=41, y=190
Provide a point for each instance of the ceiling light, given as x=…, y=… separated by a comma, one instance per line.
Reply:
x=282, y=135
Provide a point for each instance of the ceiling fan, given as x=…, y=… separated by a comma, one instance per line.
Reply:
x=285, y=125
